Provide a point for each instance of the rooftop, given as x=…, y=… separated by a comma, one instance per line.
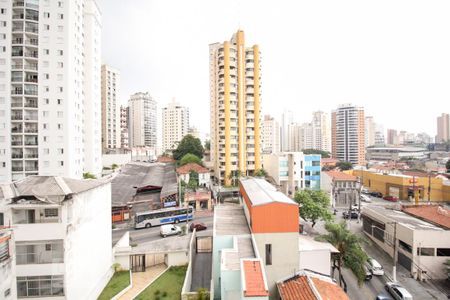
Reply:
x=341, y=176
x=255, y=285
x=230, y=219
x=401, y=218
x=51, y=189
x=192, y=167
x=308, y=243
x=434, y=214
x=307, y=285
x=243, y=248
x=398, y=149
x=261, y=192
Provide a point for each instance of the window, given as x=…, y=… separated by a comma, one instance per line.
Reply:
x=405, y=246
x=46, y=15
x=315, y=163
x=59, y=114
x=61, y=163
x=47, y=51
x=2, y=219
x=60, y=126
x=4, y=250
x=60, y=52
x=443, y=252
x=7, y=293
x=3, y=11
x=59, y=101
x=268, y=254
x=51, y=212
x=40, y=286
x=425, y=251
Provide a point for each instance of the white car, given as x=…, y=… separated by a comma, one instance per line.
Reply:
x=375, y=267
x=365, y=198
x=397, y=291
x=167, y=230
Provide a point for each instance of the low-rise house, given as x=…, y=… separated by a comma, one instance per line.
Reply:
x=62, y=236
x=203, y=173
x=422, y=234
x=343, y=188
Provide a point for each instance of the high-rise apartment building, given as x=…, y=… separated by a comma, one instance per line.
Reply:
x=270, y=135
x=142, y=120
x=235, y=107
x=286, y=121
x=321, y=131
x=110, y=108
x=379, y=135
x=124, y=143
x=175, y=125
x=347, y=132
x=50, y=102
x=369, y=126
x=443, y=128
x=392, y=137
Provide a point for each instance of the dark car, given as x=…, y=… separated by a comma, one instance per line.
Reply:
x=353, y=215
x=384, y=296
x=376, y=194
x=391, y=198
x=198, y=226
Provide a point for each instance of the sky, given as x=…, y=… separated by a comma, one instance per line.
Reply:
x=392, y=57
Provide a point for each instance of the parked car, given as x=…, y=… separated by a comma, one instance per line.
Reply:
x=365, y=198
x=376, y=194
x=375, y=267
x=198, y=226
x=384, y=296
x=391, y=198
x=364, y=190
x=355, y=207
x=353, y=215
x=397, y=291
x=368, y=273
x=170, y=229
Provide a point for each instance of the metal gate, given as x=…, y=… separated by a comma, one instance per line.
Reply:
x=137, y=263
x=404, y=261
x=204, y=244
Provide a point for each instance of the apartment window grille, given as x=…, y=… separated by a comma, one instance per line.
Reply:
x=51, y=212
x=268, y=254
x=40, y=286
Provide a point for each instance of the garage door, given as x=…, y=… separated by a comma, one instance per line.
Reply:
x=394, y=191
x=404, y=261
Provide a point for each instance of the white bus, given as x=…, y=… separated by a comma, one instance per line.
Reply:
x=158, y=217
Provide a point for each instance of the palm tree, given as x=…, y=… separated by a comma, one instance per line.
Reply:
x=351, y=255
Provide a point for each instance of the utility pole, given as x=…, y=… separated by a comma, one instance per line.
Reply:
x=429, y=188
x=394, y=267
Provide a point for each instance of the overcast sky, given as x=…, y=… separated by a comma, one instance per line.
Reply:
x=392, y=57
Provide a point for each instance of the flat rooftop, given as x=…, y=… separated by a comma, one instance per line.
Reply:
x=261, y=192
x=232, y=257
x=401, y=218
x=308, y=243
x=229, y=219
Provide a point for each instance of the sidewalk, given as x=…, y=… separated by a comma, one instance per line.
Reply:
x=142, y=279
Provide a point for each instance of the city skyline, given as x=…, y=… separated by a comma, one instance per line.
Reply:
x=395, y=62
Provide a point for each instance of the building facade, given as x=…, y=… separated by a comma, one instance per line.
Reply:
x=235, y=108
x=286, y=169
x=111, y=114
x=270, y=135
x=124, y=142
x=321, y=131
x=286, y=121
x=313, y=169
x=369, y=127
x=142, y=121
x=175, y=125
x=348, y=134
x=443, y=128
x=343, y=188
x=50, y=103
x=7, y=261
x=392, y=137
x=61, y=228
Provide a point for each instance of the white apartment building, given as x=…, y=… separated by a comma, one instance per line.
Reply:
x=235, y=108
x=369, y=134
x=111, y=117
x=7, y=262
x=313, y=135
x=124, y=143
x=50, y=105
x=348, y=134
x=286, y=120
x=62, y=237
x=287, y=170
x=175, y=125
x=270, y=135
x=379, y=135
x=142, y=120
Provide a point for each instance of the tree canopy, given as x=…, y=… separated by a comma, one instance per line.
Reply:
x=349, y=246
x=88, y=175
x=260, y=173
x=189, y=144
x=189, y=158
x=314, y=206
x=344, y=165
x=193, y=179
x=325, y=154
x=447, y=166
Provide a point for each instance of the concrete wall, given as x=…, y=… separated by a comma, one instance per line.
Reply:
x=317, y=261
x=230, y=285
x=179, y=258
x=118, y=159
x=219, y=243
x=285, y=258
x=122, y=251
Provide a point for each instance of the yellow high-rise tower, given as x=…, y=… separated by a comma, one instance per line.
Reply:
x=235, y=108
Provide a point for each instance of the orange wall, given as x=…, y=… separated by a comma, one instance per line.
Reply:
x=272, y=217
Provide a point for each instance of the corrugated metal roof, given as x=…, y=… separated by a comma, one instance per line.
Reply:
x=261, y=192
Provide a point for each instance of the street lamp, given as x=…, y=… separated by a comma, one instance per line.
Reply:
x=395, y=246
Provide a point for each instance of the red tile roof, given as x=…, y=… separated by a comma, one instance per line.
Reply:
x=329, y=160
x=435, y=214
x=192, y=167
x=254, y=279
x=341, y=176
x=165, y=159
x=302, y=286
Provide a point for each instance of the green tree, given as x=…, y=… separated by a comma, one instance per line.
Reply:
x=324, y=154
x=193, y=180
x=114, y=166
x=189, y=144
x=344, y=165
x=260, y=173
x=88, y=175
x=234, y=176
x=189, y=158
x=447, y=166
x=351, y=255
x=314, y=206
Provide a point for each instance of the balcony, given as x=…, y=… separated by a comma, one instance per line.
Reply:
x=16, y=128
x=16, y=141
x=31, y=128
x=17, y=166
x=31, y=166
x=50, y=252
x=31, y=141
x=17, y=116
